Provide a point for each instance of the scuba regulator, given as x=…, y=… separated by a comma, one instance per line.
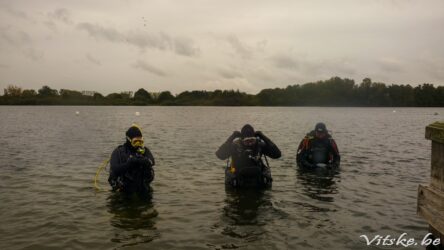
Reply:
x=141, y=150
x=138, y=144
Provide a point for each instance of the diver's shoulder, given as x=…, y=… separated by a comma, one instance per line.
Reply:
x=310, y=135
x=119, y=148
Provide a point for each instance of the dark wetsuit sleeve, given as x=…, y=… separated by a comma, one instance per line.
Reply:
x=117, y=168
x=150, y=156
x=335, y=152
x=225, y=149
x=270, y=148
x=302, y=153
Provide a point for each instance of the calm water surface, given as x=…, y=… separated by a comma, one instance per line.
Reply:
x=49, y=157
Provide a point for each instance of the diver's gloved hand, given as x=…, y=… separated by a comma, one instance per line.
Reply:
x=333, y=165
x=233, y=136
x=261, y=137
x=308, y=164
x=133, y=161
x=259, y=134
x=145, y=161
x=138, y=161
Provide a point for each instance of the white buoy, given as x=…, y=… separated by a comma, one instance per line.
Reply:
x=77, y=113
x=394, y=111
x=137, y=113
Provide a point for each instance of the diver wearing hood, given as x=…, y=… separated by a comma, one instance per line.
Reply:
x=246, y=149
x=131, y=164
x=318, y=149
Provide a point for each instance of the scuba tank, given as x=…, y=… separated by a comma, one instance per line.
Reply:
x=319, y=155
x=251, y=170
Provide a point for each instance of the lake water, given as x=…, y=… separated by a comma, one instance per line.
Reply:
x=50, y=155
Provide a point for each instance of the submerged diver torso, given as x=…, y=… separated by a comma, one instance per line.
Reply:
x=318, y=148
x=131, y=168
x=246, y=150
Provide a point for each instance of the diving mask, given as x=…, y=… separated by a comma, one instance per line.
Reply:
x=136, y=142
x=320, y=134
x=249, y=141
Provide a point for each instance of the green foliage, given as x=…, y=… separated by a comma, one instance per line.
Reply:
x=335, y=91
x=97, y=96
x=47, y=91
x=142, y=97
x=66, y=93
x=13, y=91
x=27, y=93
x=165, y=98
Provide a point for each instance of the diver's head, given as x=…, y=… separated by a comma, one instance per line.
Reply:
x=320, y=130
x=134, y=136
x=248, y=135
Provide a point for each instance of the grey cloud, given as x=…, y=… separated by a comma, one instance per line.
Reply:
x=142, y=39
x=329, y=67
x=434, y=66
x=98, y=31
x=149, y=68
x=241, y=49
x=261, y=45
x=313, y=67
x=21, y=41
x=390, y=65
x=229, y=73
x=160, y=41
x=93, y=59
x=33, y=54
x=13, y=12
x=18, y=13
x=285, y=62
x=438, y=73
x=62, y=15
x=185, y=47
x=15, y=37
x=51, y=25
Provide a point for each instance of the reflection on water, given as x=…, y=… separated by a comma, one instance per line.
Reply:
x=242, y=206
x=134, y=216
x=319, y=183
x=244, y=215
x=47, y=198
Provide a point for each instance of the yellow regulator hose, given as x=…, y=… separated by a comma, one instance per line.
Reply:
x=101, y=167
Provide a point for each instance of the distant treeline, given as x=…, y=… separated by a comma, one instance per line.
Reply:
x=333, y=92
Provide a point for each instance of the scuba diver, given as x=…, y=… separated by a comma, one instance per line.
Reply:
x=318, y=149
x=132, y=164
x=246, y=149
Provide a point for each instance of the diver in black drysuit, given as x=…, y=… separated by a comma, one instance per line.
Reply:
x=246, y=149
x=132, y=165
x=318, y=147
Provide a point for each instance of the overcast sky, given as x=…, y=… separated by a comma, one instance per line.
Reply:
x=112, y=46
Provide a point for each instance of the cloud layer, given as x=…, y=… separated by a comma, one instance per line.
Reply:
x=141, y=39
x=246, y=45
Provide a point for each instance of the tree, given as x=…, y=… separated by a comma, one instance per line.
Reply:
x=46, y=91
x=165, y=97
x=13, y=91
x=28, y=93
x=425, y=95
x=143, y=96
x=126, y=94
x=114, y=96
x=66, y=93
x=97, y=96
